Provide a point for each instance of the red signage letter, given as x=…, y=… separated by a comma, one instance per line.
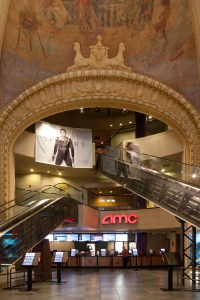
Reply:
x=132, y=219
x=119, y=217
x=107, y=220
x=112, y=219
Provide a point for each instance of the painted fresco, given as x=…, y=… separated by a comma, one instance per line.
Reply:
x=39, y=36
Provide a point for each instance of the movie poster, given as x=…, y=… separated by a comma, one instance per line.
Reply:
x=63, y=146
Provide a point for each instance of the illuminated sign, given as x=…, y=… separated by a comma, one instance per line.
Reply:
x=112, y=219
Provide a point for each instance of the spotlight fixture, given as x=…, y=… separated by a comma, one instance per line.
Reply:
x=60, y=171
x=120, y=124
x=194, y=175
x=130, y=122
x=31, y=170
x=81, y=110
x=149, y=118
x=111, y=125
x=111, y=190
x=163, y=170
x=48, y=172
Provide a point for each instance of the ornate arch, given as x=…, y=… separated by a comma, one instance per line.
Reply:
x=93, y=88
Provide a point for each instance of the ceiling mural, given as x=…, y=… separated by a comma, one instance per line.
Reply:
x=39, y=36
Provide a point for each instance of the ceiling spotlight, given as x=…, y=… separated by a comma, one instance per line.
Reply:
x=31, y=170
x=100, y=192
x=111, y=190
x=120, y=124
x=194, y=175
x=130, y=122
x=163, y=170
x=60, y=173
x=48, y=171
x=150, y=117
x=111, y=125
x=81, y=110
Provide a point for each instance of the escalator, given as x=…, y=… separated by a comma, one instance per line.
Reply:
x=32, y=216
x=171, y=185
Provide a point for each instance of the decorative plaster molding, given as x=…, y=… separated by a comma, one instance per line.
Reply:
x=93, y=88
x=99, y=57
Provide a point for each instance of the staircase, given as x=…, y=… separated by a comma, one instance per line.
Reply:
x=145, y=177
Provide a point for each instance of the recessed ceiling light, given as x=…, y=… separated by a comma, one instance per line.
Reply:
x=48, y=171
x=120, y=124
x=81, y=110
x=100, y=192
x=31, y=170
x=194, y=175
x=163, y=170
x=111, y=125
x=130, y=122
x=60, y=173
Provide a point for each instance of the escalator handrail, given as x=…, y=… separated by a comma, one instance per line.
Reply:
x=37, y=193
x=26, y=214
x=140, y=154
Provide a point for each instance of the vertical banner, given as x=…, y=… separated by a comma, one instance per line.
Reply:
x=63, y=146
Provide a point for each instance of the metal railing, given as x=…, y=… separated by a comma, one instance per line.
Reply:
x=189, y=280
x=179, y=197
x=29, y=199
x=170, y=168
x=40, y=212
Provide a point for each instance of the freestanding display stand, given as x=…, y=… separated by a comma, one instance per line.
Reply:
x=59, y=272
x=29, y=282
x=172, y=259
x=59, y=258
x=135, y=254
x=136, y=263
x=30, y=260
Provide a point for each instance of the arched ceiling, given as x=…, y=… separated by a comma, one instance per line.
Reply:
x=161, y=35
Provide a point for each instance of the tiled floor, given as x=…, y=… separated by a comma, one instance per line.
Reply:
x=101, y=285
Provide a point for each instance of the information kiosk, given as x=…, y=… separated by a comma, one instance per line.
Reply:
x=135, y=254
x=172, y=259
x=59, y=258
x=31, y=259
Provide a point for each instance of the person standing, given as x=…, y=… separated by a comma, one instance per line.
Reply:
x=132, y=151
x=125, y=257
x=63, y=149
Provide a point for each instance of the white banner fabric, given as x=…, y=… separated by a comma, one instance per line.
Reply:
x=63, y=146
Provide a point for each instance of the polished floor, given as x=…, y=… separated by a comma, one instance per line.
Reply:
x=103, y=284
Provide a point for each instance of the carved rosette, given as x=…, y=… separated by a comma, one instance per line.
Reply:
x=93, y=88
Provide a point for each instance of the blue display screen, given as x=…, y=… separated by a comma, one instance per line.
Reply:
x=96, y=237
x=108, y=237
x=84, y=237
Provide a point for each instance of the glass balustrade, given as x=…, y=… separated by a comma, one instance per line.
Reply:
x=178, y=196
x=184, y=172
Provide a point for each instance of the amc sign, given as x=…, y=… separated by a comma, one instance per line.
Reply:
x=113, y=219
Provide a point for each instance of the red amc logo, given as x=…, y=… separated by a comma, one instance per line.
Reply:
x=112, y=219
